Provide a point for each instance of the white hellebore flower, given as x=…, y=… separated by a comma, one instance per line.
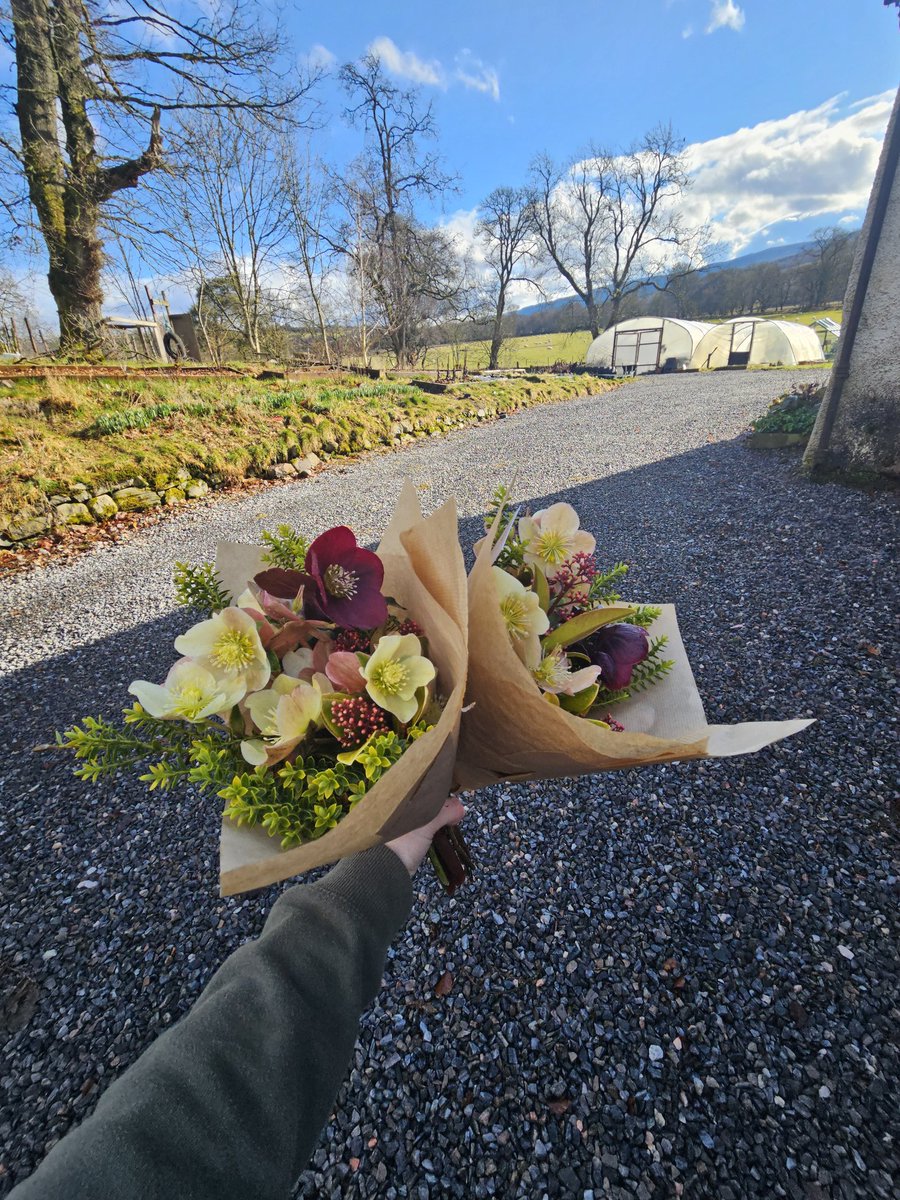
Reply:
x=552, y=537
x=190, y=693
x=524, y=617
x=229, y=646
x=555, y=674
x=284, y=713
x=395, y=671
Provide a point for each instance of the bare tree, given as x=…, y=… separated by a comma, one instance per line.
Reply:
x=612, y=224
x=306, y=188
x=826, y=265
x=506, y=229
x=650, y=242
x=226, y=192
x=93, y=81
x=572, y=223
x=410, y=270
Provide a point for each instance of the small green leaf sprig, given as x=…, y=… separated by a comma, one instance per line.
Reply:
x=297, y=802
x=200, y=587
x=286, y=548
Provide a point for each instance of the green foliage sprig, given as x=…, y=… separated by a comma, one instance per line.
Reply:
x=285, y=548
x=200, y=587
x=512, y=556
x=603, y=586
x=643, y=615
x=296, y=802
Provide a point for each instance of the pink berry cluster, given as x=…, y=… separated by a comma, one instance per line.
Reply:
x=353, y=640
x=357, y=718
x=410, y=626
x=578, y=571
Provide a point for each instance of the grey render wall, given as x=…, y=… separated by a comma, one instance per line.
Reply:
x=864, y=392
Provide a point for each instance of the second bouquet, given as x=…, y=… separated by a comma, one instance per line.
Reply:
x=566, y=680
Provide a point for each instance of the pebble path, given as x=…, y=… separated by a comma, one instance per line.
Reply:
x=676, y=981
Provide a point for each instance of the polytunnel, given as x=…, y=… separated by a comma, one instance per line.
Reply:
x=757, y=341
x=647, y=344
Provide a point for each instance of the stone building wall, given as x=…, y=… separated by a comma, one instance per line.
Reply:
x=866, y=430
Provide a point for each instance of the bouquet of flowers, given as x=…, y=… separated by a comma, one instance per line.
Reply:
x=566, y=680
x=585, y=651
x=320, y=699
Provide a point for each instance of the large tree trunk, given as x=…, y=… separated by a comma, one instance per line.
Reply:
x=74, y=275
x=66, y=181
x=497, y=333
x=593, y=317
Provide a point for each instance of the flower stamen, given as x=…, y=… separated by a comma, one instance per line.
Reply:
x=390, y=677
x=233, y=650
x=340, y=582
x=516, y=616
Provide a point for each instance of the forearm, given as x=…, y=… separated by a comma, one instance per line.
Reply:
x=230, y=1102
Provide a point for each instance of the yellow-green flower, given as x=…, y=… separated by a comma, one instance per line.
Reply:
x=525, y=619
x=228, y=646
x=552, y=536
x=394, y=673
x=283, y=714
x=190, y=693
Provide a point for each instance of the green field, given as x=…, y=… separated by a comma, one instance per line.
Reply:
x=543, y=349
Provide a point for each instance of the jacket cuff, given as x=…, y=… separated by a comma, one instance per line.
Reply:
x=376, y=883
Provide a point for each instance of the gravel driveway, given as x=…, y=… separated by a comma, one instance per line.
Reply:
x=678, y=981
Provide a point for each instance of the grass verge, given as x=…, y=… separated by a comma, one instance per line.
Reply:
x=58, y=436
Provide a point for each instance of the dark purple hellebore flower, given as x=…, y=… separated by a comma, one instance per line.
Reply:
x=617, y=650
x=341, y=582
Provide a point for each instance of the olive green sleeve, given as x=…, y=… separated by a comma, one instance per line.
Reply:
x=229, y=1103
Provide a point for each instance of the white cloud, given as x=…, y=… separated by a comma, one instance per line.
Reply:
x=726, y=15
x=472, y=73
x=687, y=32
x=406, y=64
x=320, y=57
x=816, y=163
x=468, y=70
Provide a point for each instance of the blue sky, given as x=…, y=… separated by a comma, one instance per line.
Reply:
x=768, y=92
x=783, y=103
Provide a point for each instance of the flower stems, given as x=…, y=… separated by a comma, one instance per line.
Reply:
x=450, y=858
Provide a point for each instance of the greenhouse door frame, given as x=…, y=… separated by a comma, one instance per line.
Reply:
x=741, y=358
x=648, y=333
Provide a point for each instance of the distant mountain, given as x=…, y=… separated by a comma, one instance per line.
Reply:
x=772, y=254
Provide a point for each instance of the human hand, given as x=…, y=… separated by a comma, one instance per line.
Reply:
x=412, y=847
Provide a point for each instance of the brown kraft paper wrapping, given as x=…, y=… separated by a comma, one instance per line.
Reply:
x=511, y=732
x=425, y=573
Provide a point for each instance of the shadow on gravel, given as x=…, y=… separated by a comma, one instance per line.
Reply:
x=697, y=1021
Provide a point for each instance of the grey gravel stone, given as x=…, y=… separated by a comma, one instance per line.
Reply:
x=750, y=873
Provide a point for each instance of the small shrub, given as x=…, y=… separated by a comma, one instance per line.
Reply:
x=793, y=413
